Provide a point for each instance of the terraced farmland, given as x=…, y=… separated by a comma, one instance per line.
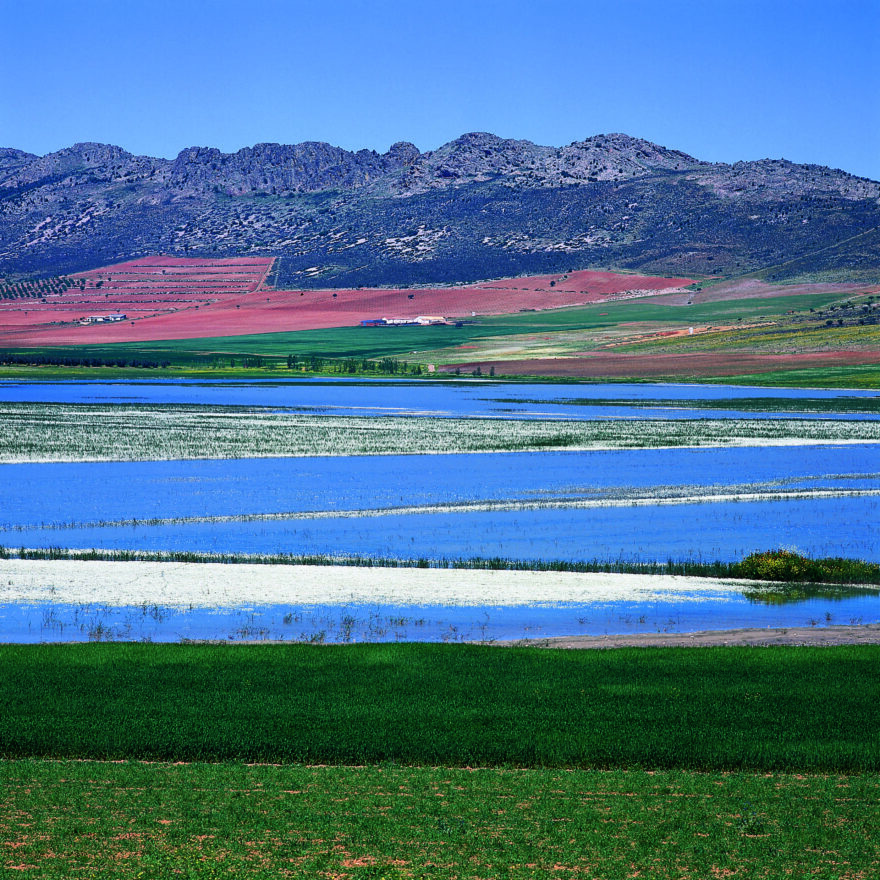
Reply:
x=170, y=275
x=145, y=288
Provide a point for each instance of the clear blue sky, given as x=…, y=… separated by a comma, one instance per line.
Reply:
x=720, y=79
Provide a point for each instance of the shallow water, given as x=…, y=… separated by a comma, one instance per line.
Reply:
x=399, y=506
x=462, y=398
x=55, y=622
x=697, y=532
x=64, y=505
x=90, y=492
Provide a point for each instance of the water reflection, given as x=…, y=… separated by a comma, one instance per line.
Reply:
x=786, y=594
x=57, y=622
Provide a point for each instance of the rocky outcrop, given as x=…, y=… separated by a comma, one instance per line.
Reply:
x=477, y=207
x=279, y=168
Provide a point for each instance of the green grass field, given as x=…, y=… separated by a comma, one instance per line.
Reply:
x=805, y=709
x=60, y=820
x=857, y=376
x=418, y=761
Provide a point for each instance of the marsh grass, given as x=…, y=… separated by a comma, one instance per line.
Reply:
x=771, y=565
x=94, y=432
x=790, y=567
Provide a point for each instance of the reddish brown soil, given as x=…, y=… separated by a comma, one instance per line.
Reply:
x=150, y=274
x=697, y=365
x=155, y=313
x=595, y=286
x=750, y=288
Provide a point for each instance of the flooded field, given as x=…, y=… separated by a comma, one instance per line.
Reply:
x=83, y=495
x=607, y=505
x=635, y=505
x=56, y=622
x=462, y=398
x=69, y=600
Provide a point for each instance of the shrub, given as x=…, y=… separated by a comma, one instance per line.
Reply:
x=784, y=565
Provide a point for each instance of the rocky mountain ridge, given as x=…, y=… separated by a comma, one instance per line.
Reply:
x=476, y=206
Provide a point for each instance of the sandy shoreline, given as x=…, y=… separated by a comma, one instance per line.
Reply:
x=865, y=634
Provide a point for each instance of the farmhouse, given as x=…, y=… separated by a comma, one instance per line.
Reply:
x=104, y=319
x=419, y=321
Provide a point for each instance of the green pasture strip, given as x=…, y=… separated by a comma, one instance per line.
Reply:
x=744, y=404
x=855, y=376
x=806, y=709
x=144, y=432
x=153, y=821
x=105, y=372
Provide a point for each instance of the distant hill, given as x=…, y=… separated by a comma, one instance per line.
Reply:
x=478, y=207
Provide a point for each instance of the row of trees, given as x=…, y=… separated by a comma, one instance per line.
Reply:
x=350, y=366
x=314, y=363
x=34, y=289
x=46, y=360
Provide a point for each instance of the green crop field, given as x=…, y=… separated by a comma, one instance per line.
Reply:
x=117, y=821
x=646, y=310
x=368, y=342
x=762, y=709
x=438, y=761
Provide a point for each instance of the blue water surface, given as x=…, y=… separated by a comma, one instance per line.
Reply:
x=840, y=526
x=56, y=622
x=462, y=398
x=90, y=492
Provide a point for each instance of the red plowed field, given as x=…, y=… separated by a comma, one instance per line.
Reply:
x=182, y=274
x=162, y=306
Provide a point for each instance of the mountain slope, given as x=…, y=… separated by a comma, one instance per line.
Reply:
x=477, y=207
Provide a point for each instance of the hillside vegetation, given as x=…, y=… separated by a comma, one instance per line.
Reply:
x=478, y=207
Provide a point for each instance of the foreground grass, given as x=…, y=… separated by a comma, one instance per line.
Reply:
x=97, y=820
x=810, y=709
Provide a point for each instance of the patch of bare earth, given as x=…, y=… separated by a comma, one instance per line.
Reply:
x=867, y=634
x=752, y=288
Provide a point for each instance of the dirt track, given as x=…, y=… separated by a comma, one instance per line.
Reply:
x=802, y=635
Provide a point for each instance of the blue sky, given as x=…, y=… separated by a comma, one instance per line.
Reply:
x=721, y=80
